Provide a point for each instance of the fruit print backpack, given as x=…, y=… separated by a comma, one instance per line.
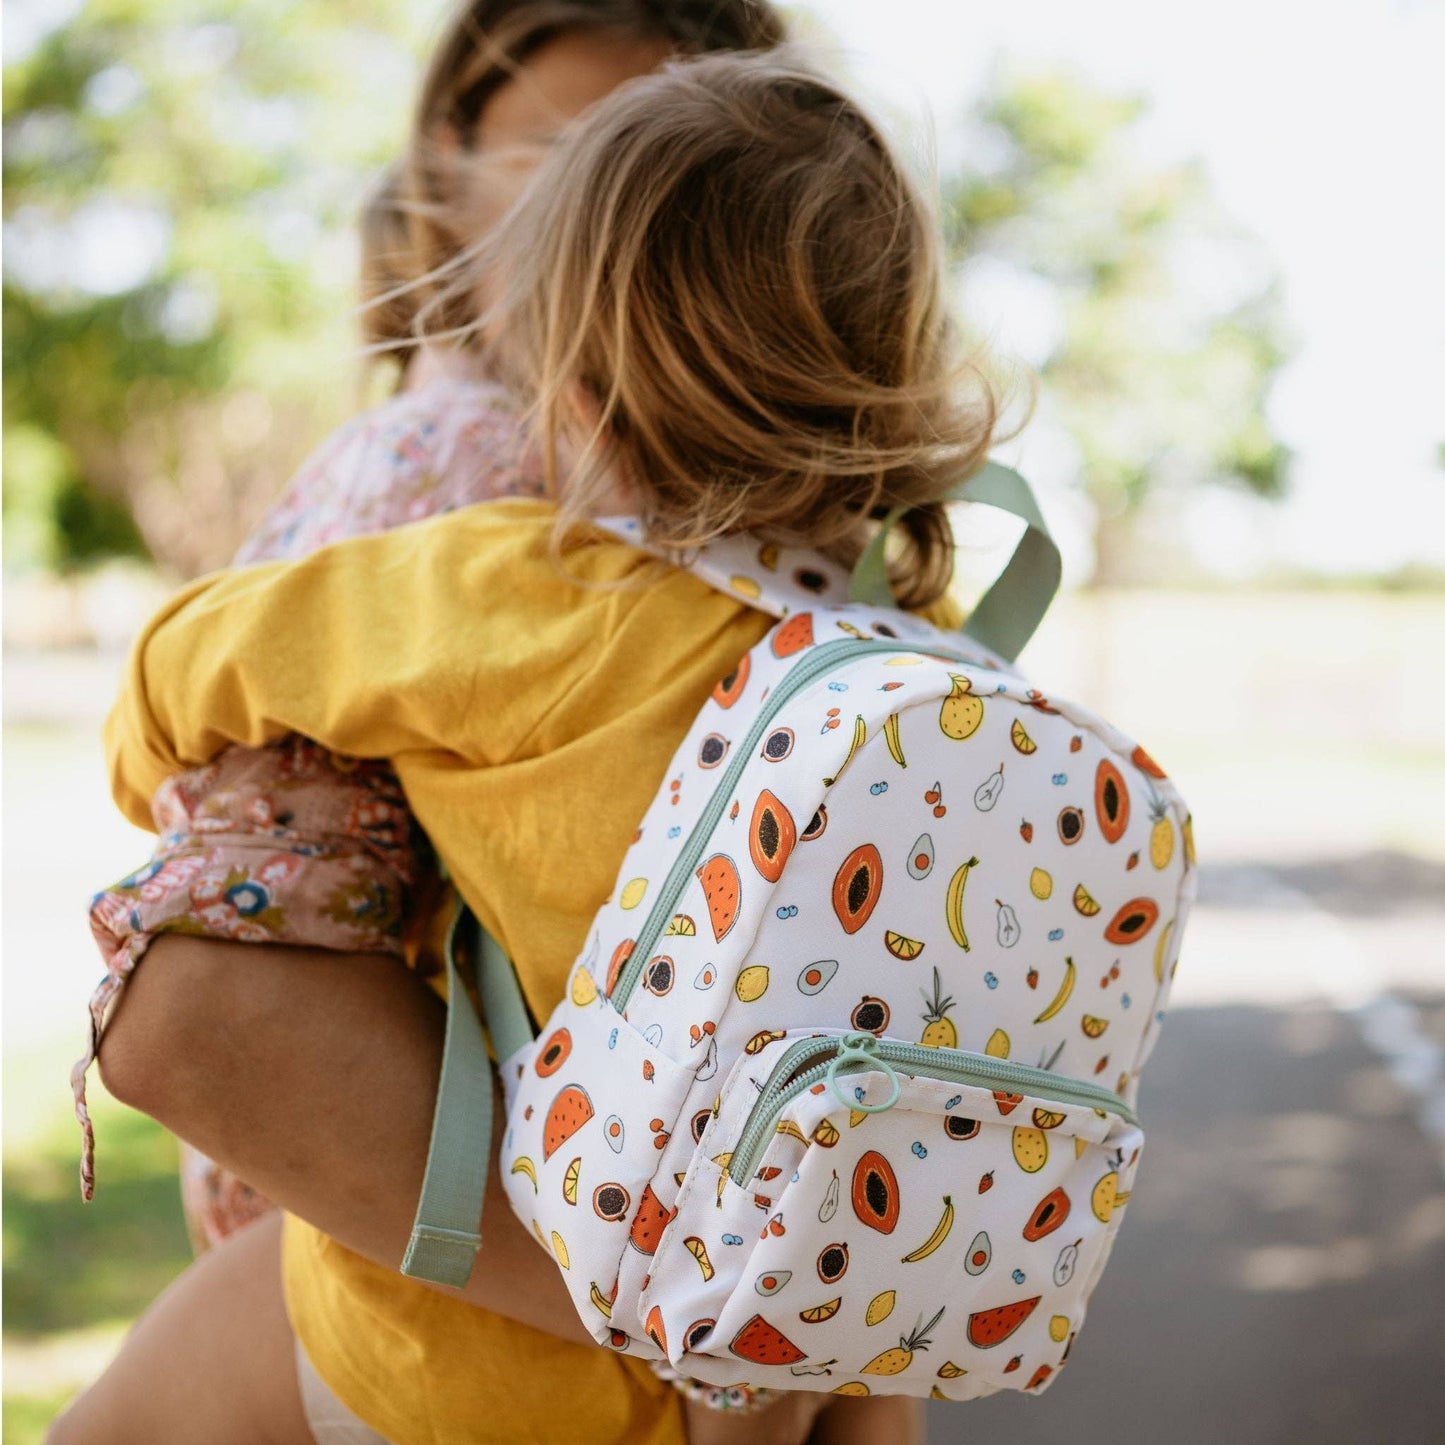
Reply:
x=842, y=1093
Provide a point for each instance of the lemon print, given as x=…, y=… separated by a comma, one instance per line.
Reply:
x=1031, y=1149
x=1019, y=737
x=1105, y=1196
x=571, y=1179
x=998, y=1045
x=632, y=893
x=826, y=1134
x=949, y=1371
x=853, y=1387
x=1084, y=903
x=880, y=1307
x=1041, y=883
x=584, y=988
x=1059, y=1329
x=901, y=947
x=681, y=926
x=1093, y=1028
x=752, y=983
x=745, y=586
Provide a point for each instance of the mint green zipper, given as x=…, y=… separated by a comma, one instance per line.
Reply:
x=820, y=659
x=810, y=1061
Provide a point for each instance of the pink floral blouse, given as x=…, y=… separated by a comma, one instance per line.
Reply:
x=289, y=843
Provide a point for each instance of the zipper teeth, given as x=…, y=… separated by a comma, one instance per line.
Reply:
x=819, y=660
x=785, y=1084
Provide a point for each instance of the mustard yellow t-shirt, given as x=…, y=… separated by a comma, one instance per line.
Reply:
x=530, y=720
x=530, y=715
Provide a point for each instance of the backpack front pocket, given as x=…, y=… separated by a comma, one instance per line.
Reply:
x=892, y=1218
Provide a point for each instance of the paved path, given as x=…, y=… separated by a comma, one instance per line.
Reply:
x=1280, y=1278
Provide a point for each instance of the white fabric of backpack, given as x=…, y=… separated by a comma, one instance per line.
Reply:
x=842, y=1093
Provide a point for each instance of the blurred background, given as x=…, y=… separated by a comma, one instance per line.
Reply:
x=1213, y=236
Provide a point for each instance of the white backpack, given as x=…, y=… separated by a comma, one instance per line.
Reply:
x=842, y=1093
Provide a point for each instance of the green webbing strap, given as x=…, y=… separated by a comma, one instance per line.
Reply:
x=445, y=1237
x=503, y=1006
x=1010, y=611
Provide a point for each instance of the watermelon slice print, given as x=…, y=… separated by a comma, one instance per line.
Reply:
x=761, y=1343
x=992, y=1327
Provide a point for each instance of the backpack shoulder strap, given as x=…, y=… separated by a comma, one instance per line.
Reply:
x=780, y=580
x=446, y=1234
x=1009, y=613
x=766, y=575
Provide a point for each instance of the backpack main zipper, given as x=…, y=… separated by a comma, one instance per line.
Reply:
x=808, y=1061
x=823, y=657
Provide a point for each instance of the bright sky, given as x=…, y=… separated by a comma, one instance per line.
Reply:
x=1321, y=129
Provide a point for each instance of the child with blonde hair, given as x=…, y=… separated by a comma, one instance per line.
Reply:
x=721, y=301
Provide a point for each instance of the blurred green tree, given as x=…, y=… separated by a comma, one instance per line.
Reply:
x=181, y=178
x=1157, y=323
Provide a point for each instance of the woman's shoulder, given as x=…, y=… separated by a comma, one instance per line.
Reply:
x=448, y=443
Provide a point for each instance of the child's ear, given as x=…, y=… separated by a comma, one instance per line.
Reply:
x=583, y=406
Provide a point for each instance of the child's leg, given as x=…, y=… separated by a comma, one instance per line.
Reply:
x=894, y=1419
x=211, y=1362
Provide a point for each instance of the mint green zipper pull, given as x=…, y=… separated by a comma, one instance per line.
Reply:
x=862, y=1049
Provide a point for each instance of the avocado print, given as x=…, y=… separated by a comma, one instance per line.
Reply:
x=979, y=1254
x=920, y=858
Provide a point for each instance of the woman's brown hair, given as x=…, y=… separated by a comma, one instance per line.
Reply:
x=413, y=223
x=729, y=274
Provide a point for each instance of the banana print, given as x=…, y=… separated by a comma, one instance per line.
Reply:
x=757, y=1225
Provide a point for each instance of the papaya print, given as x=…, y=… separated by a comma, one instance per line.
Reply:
x=757, y=1197
x=857, y=887
x=771, y=837
x=875, y=1193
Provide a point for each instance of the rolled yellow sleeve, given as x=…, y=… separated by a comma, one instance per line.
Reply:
x=372, y=647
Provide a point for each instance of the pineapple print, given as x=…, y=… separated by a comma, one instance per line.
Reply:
x=1161, y=836
x=939, y=1031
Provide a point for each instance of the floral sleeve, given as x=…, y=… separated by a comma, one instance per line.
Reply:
x=289, y=843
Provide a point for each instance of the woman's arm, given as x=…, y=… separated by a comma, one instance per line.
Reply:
x=312, y=1075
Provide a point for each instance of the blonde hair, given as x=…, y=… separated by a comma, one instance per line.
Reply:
x=731, y=266
x=413, y=224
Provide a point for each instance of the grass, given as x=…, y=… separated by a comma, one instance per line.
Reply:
x=77, y=1274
